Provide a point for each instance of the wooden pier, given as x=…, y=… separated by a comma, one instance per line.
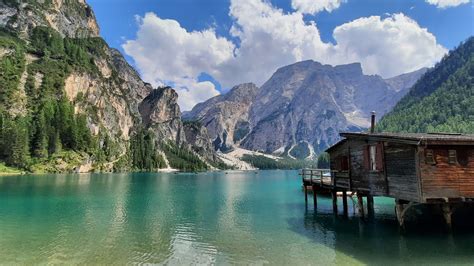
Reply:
x=323, y=181
x=413, y=169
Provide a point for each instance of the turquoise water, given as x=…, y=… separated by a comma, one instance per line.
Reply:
x=234, y=218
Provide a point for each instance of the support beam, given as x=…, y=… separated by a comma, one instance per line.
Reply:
x=315, y=198
x=305, y=194
x=370, y=205
x=447, y=213
x=344, y=203
x=399, y=210
x=360, y=204
x=334, y=201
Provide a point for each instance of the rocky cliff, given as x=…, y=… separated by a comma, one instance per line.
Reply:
x=226, y=116
x=58, y=56
x=301, y=109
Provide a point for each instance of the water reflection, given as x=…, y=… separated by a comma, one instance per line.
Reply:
x=241, y=217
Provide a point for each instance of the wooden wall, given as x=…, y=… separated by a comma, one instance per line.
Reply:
x=444, y=179
x=400, y=161
x=358, y=177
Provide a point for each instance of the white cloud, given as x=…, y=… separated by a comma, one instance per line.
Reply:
x=315, y=6
x=270, y=38
x=165, y=52
x=191, y=93
x=387, y=47
x=446, y=3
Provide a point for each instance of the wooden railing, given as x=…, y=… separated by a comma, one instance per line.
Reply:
x=322, y=177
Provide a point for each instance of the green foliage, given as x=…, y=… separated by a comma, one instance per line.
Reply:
x=300, y=151
x=323, y=161
x=241, y=131
x=50, y=125
x=12, y=65
x=145, y=156
x=14, y=141
x=441, y=101
x=264, y=163
x=6, y=170
x=182, y=158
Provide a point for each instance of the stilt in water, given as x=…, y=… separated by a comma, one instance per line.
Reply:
x=447, y=213
x=305, y=194
x=370, y=206
x=344, y=203
x=360, y=203
x=315, y=198
x=334, y=201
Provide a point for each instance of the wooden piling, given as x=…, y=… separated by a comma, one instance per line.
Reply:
x=344, y=203
x=360, y=203
x=315, y=198
x=370, y=205
x=334, y=201
x=447, y=213
x=305, y=194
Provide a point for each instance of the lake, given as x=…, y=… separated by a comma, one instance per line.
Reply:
x=208, y=218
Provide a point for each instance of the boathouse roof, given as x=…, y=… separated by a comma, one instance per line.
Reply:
x=410, y=138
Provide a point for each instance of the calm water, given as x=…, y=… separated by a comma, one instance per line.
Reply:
x=243, y=218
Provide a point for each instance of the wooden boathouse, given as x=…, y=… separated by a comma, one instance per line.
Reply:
x=411, y=168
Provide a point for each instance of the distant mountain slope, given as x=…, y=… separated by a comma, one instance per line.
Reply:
x=300, y=109
x=226, y=116
x=442, y=100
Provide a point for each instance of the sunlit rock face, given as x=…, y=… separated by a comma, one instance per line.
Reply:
x=115, y=100
x=226, y=116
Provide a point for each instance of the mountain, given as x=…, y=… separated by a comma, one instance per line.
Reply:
x=69, y=102
x=301, y=109
x=226, y=116
x=442, y=100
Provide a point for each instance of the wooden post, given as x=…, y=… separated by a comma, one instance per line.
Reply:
x=370, y=205
x=305, y=194
x=399, y=210
x=334, y=201
x=447, y=213
x=344, y=203
x=315, y=198
x=360, y=203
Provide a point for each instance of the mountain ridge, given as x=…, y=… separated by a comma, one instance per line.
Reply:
x=304, y=105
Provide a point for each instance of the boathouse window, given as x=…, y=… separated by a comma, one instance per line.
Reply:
x=373, y=157
x=342, y=163
x=429, y=157
x=452, y=157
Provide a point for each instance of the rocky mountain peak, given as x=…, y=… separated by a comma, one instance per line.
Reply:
x=71, y=18
x=300, y=110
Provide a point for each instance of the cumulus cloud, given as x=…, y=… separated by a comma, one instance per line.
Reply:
x=387, y=47
x=446, y=3
x=270, y=38
x=165, y=53
x=315, y=6
x=191, y=92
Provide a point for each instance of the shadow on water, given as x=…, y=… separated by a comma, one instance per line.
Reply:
x=378, y=239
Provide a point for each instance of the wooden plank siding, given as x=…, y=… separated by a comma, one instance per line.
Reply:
x=402, y=178
x=357, y=177
x=412, y=167
x=444, y=179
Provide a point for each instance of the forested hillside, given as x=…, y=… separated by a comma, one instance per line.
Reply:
x=70, y=103
x=442, y=100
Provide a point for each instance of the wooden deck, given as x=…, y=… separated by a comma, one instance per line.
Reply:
x=323, y=181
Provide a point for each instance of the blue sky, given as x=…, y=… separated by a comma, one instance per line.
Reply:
x=448, y=23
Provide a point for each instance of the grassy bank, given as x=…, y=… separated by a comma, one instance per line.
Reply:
x=6, y=170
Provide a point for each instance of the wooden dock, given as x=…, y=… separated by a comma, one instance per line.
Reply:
x=413, y=169
x=323, y=181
